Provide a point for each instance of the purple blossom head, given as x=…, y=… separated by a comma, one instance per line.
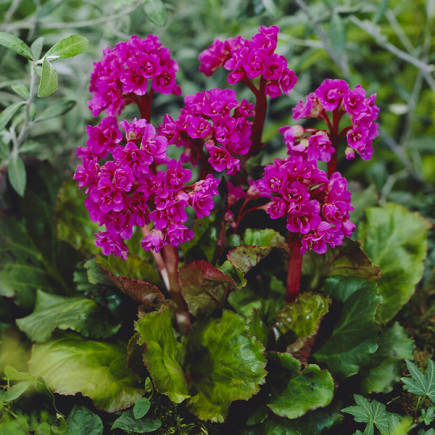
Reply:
x=131, y=68
x=215, y=121
x=315, y=206
x=249, y=59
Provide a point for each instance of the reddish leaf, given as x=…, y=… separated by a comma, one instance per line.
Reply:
x=204, y=287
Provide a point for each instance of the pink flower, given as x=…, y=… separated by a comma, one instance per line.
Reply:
x=320, y=147
x=155, y=241
x=331, y=93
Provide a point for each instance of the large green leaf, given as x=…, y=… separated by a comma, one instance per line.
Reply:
x=78, y=314
x=225, y=363
x=303, y=315
x=164, y=355
x=354, y=338
x=204, y=287
x=386, y=364
x=15, y=44
x=296, y=325
x=71, y=365
x=396, y=240
x=295, y=392
x=73, y=224
x=67, y=47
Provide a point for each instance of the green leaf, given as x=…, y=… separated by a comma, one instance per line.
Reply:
x=420, y=384
x=15, y=391
x=204, y=287
x=355, y=337
x=386, y=363
x=8, y=113
x=141, y=407
x=129, y=423
x=36, y=47
x=297, y=324
x=258, y=244
x=21, y=90
x=130, y=275
x=78, y=314
x=396, y=240
x=296, y=393
x=73, y=224
x=265, y=238
x=427, y=415
x=15, y=44
x=226, y=364
x=81, y=421
x=267, y=297
x=302, y=316
x=338, y=33
x=374, y=414
x=67, y=47
x=17, y=174
x=48, y=82
x=71, y=365
x=164, y=355
x=54, y=110
x=156, y=12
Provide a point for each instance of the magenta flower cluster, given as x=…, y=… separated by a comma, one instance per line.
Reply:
x=130, y=191
x=249, y=59
x=315, y=206
x=213, y=120
x=335, y=96
x=124, y=74
x=130, y=180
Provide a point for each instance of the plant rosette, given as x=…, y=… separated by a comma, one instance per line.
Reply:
x=253, y=291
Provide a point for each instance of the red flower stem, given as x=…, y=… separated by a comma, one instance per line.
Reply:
x=144, y=106
x=158, y=258
x=294, y=268
x=259, y=118
x=251, y=86
x=242, y=215
x=182, y=317
x=333, y=133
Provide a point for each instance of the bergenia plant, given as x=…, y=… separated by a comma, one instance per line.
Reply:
x=185, y=185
